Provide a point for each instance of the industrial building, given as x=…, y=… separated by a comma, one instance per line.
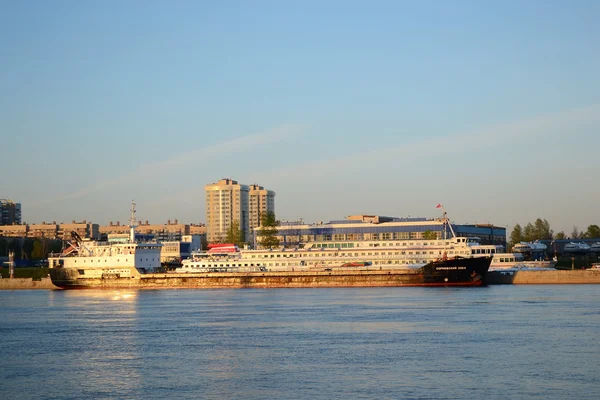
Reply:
x=374, y=227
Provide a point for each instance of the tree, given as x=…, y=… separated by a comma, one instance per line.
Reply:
x=429, y=235
x=235, y=234
x=529, y=232
x=517, y=235
x=268, y=231
x=575, y=234
x=560, y=235
x=593, y=232
x=38, y=251
x=542, y=230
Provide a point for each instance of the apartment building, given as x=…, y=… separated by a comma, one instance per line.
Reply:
x=226, y=201
x=86, y=230
x=10, y=212
x=260, y=201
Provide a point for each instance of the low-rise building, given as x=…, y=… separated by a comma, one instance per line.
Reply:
x=44, y=230
x=14, y=230
x=373, y=227
x=86, y=230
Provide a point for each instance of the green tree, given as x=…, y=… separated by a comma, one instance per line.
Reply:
x=516, y=235
x=542, y=230
x=560, y=235
x=267, y=234
x=38, y=251
x=593, y=232
x=429, y=235
x=235, y=234
x=529, y=232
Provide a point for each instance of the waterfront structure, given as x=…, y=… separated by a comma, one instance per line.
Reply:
x=261, y=201
x=10, y=212
x=381, y=228
x=226, y=201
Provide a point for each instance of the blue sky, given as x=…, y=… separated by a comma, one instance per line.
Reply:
x=341, y=107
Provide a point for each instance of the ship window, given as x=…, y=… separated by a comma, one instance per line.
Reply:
x=81, y=271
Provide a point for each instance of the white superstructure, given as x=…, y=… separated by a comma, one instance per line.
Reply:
x=576, y=247
x=506, y=261
x=93, y=259
x=377, y=254
x=529, y=247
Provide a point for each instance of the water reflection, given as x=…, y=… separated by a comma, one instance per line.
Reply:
x=104, y=294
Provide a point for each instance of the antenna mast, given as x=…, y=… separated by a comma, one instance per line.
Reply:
x=447, y=221
x=132, y=223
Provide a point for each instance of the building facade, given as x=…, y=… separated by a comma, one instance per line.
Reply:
x=379, y=228
x=85, y=230
x=260, y=202
x=10, y=212
x=226, y=201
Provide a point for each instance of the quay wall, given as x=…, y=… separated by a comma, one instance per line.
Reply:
x=25, y=283
x=544, y=277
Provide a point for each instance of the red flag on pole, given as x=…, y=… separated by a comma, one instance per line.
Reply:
x=439, y=206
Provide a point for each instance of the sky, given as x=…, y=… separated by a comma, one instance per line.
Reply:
x=341, y=107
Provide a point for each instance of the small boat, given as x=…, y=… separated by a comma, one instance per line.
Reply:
x=595, y=247
x=576, y=248
x=529, y=247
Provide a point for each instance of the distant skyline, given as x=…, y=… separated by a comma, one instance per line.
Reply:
x=341, y=108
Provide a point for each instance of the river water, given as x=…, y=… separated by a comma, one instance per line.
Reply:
x=497, y=342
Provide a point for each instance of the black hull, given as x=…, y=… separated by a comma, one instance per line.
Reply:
x=452, y=272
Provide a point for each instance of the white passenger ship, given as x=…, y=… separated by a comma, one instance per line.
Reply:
x=510, y=261
x=392, y=254
x=93, y=259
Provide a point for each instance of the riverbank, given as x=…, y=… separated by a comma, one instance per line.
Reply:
x=544, y=277
x=26, y=283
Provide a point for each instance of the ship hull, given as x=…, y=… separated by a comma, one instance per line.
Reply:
x=453, y=272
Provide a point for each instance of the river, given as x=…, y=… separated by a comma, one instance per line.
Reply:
x=496, y=342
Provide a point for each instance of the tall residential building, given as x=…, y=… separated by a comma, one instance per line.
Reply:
x=261, y=202
x=226, y=201
x=10, y=212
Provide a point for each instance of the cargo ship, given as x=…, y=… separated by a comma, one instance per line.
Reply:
x=90, y=264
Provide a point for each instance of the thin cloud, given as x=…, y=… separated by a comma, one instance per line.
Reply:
x=186, y=159
x=457, y=143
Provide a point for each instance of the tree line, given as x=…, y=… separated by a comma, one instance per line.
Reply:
x=267, y=234
x=29, y=248
x=540, y=230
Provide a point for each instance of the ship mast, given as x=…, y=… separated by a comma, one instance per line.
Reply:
x=446, y=222
x=132, y=223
